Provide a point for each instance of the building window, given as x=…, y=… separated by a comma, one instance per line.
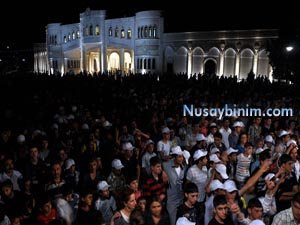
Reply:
x=146, y=32
x=91, y=30
x=129, y=34
x=154, y=32
x=139, y=30
x=141, y=63
x=150, y=32
x=142, y=31
x=116, y=32
x=55, y=39
x=69, y=37
x=138, y=64
x=86, y=31
x=73, y=35
x=149, y=64
x=97, y=30
x=145, y=63
x=65, y=39
x=78, y=34
x=110, y=32
x=153, y=64
x=122, y=33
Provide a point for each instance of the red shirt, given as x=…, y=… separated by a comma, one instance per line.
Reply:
x=45, y=220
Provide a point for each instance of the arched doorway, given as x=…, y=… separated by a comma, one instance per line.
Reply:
x=127, y=62
x=114, y=62
x=210, y=67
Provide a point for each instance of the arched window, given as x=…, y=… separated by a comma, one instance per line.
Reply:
x=145, y=63
x=154, y=32
x=146, y=32
x=110, y=32
x=78, y=34
x=122, y=33
x=141, y=63
x=149, y=64
x=69, y=37
x=86, y=31
x=150, y=32
x=91, y=30
x=65, y=39
x=129, y=34
x=153, y=64
x=142, y=32
x=55, y=39
x=139, y=30
x=97, y=30
x=73, y=35
x=116, y=32
x=138, y=64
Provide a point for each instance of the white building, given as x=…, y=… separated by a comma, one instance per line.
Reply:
x=138, y=44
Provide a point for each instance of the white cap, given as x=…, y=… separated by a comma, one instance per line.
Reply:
x=127, y=146
x=269, y=176
x=200, y=137
x=214, y=158
x=149, y=142
x=270, y=139
x=238, y=124
x=176, y=150
x=85, y=126
x=69, y=163
x=198, y=154
x=103, y=186
x=216, y=184
x=54, y=126
x=283, y=133
x=259, y=150
x=70, y=117
x=186, y=155
x=117, y=164
x=230, y=186
x=257, y=222
x=21, y=139
x=231, y=150
x=214, y=150
x=213, y=125
x=165, y=130
x=291, y=142
x=184, y=221
x=220, y=168
x=106, y=124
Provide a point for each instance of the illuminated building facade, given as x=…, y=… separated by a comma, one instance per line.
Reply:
x=138, y=44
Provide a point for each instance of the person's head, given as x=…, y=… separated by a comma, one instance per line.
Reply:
x=34, y=153
x=86, y=197
x=45, y=205
x=103, y=188
x=200, y=158
x=254, y=209
x=231, y=190
x=296, y=206
x=7, y=188
x=294, y=153
x=248, y=149
x=155, y=165
x=217, y=137
x=128, y=199
x=155, y=206
x=177, y=154
x=56, y=170
x=265, y=155
x=150, y=146
x=117, y=166
x=191, y=193
x=286, y=162
x=141, y=203
x=220, y=207
x=243, y=138
x=137, y=217
x=8, y=165
x=133, y=183
x=270, y=180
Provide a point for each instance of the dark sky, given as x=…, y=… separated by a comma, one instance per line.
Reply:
x=32, y=16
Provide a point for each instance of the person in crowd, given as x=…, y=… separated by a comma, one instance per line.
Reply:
x=155, y=213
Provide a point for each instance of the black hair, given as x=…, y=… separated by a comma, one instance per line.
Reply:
x=284, y=158
x=254, y=202
x=154, y=161
x=219, y=200
x=190, y=188
x=265, y=155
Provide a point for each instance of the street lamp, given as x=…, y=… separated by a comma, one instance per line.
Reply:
x=289, y=48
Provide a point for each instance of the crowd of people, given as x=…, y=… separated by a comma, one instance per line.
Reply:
x=113, y=150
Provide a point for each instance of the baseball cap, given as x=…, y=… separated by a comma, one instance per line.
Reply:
x=230, y=186
x=291, y=142
x=149, y=142
x=214, y=150
x=176, y=151
x=103, y=186
x=127, y=146
x=283, y=133
x=259, y=150
x=69, y=163
x=21, y=138
x=270, y=139
x=198, y=154
x=117, y=164
x=238, y=124
x=165, y=130
x=231, y=150
x=220, y=168
x=216, y=184
x=184, y=221
x=200, y=137
x=214, y=158
x=269, y=176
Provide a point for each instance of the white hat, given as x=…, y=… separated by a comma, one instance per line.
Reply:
x=69, y=163
x=200, y=137
x=103, y=186
x=127, y=146
x=176, y=151
x=238, y=124
x=230, y=186
x=214, y=150
x=186, y=155
x=216, y=184
x=85, y=126
x=269, y=176
x=283, y=133
x=184, y=221
x=149, y=142
x=70, y=117
x=106, y=124
x=54, y=126
x=220, y=168
x=231, y=150
x=21, y=139
x=198, y=154
x=257, y=222
x=291, y=142
x=270, y=139
x=259, y=150
x=165, y=130
x=213, y=125
x=214, y=158
x=116, y=163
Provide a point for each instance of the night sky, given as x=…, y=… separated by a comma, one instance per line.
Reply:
x=211, y=15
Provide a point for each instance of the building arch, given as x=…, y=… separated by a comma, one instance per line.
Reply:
x=229, y=62
x=180, y=60
x=197, y=60
x=169, y=55
x=127, y=62
x=210, y=66
x=114, y=61
x=263, y=63
x=246, y=62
